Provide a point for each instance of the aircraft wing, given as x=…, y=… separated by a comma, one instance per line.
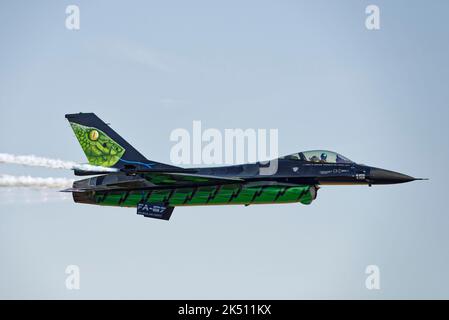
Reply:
x=158, y=179
x=178, y=178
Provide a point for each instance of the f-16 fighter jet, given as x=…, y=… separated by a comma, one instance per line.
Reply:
x=155, y=189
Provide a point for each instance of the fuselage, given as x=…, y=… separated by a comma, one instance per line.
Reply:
x=293, y=180
x=311, y=173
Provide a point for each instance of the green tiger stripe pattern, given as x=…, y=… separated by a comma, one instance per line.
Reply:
x=208, y=195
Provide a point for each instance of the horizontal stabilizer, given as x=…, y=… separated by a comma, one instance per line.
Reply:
x=79, y=172
x=127, y=184
x=73, y=190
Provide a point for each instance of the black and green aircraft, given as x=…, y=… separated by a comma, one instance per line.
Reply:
x=155, y=188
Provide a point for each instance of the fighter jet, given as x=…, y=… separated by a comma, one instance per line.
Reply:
x=155, y=188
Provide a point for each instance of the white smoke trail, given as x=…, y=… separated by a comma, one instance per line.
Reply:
x=14, y=196
x=34, y=182
x=31, y=160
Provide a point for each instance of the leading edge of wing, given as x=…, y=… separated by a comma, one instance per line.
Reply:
x=224, y=179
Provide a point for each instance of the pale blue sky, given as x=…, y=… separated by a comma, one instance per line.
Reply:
x=310, y=69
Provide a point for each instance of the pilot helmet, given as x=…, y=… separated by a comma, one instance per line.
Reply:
x=323, y=156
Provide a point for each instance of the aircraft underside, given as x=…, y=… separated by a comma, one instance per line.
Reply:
x=236, y=194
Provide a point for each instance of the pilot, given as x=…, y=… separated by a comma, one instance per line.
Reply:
x=323, y=157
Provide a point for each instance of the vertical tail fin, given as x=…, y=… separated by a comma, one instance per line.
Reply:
x=104, y=147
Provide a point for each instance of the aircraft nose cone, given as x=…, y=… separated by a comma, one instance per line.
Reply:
x=382, y=176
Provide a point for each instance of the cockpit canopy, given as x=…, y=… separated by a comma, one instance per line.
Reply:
x=319, y=156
